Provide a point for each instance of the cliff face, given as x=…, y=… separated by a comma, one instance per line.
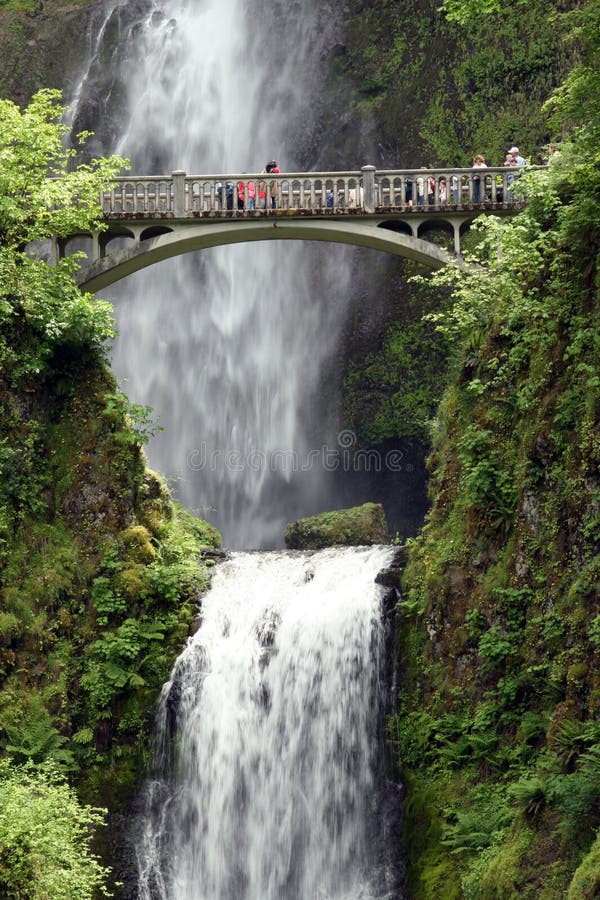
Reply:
x=43, y=44
x=100, y=575
x=498, y=732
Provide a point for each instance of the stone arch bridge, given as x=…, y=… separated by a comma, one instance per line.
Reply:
x=152, y=218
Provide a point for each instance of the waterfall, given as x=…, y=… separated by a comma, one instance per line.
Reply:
x=229, y=346
x=268, y=782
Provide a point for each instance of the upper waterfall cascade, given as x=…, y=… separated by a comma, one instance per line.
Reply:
x=268, y=781
x=238, y=362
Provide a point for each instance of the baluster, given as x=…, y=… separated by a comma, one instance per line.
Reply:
x=389, y=190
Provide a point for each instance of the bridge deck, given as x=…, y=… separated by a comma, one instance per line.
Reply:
x=364, y=192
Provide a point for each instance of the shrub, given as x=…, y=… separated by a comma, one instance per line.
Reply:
x=45, y=837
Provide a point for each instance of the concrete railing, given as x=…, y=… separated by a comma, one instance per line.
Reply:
x=367, y=191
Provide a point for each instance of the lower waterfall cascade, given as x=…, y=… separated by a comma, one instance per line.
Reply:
x=268, y=780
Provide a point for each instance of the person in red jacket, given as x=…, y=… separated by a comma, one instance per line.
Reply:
x=241, y=194
x=251, y=195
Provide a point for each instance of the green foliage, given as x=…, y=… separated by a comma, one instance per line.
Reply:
x=18, y=5
x=467, y=13
x=576, y=104
x=71, y=471
x=45, y=837
x=152, y=582
x=393, y=393
x=530, y=796
x=507, y=564
x=29, y=733
x=576, y=797
x=139, y=419
x=488, y=486
x=586, y=880
x=473, y=74
x=477, y=829
x=41, y=196
x=494, y=648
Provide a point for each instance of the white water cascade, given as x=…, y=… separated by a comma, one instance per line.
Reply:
x=228, y=346
x=268, y=782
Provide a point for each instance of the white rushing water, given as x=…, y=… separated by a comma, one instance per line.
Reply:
x=269, y=747
x=268, y=779
x=228, y=345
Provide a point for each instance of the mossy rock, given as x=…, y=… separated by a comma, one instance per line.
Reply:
x=586, y=880
x=138, y=546
x=353, y=527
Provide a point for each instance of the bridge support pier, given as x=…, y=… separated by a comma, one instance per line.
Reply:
x=95, y=245
x=456, y=229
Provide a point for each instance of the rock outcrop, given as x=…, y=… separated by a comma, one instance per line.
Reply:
x=357, y=526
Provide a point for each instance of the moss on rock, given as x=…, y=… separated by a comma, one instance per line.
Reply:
x=357, y=526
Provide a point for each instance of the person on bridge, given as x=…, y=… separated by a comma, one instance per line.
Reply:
x=521, y=161
x=420, y=182
x=513, y=164
x=251, y=194
x=241, y=195
x=272, y=167
x=262, y=195
x=443, y=190
x=478, y=163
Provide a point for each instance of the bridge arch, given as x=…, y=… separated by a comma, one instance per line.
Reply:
x=189, y=237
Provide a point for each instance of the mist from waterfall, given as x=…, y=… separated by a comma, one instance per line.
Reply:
x=228, y=346
x=268, y=781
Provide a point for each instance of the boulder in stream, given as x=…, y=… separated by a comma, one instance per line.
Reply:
x=360, y=525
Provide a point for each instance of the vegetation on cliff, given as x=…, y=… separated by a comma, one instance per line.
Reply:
x=99, y=570
x=498, y=732
x=434, y=88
